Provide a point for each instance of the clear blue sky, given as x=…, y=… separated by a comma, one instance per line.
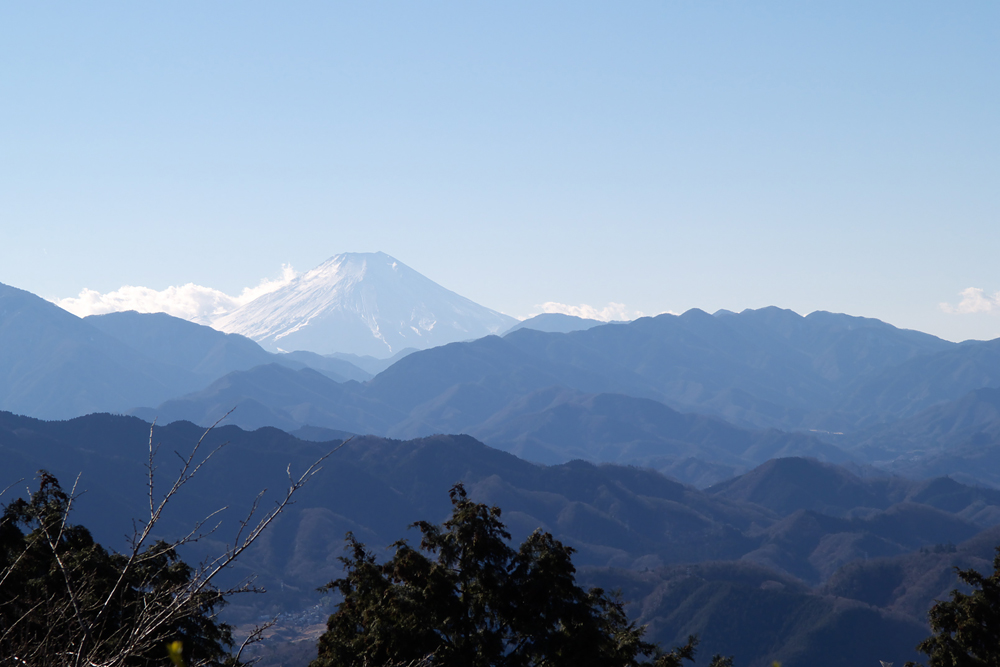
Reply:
x=666, y=155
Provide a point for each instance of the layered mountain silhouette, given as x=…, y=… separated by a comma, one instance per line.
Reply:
x=767, y=367
x=278, y=396
x=960, y=436
x=555, y=323
x=749, y=569
x=839, y=387
x=56, y=365
x=206, y=352
x=973, y=417
x=758, y=616
x=910, y=583
x=365, y=304
x=769, y=481
x=787, y=485
x=611, y=393
x=370, y=364
x=550, y=425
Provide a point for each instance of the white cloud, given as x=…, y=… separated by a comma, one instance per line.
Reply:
x=974, y=300
x=266, y=286
x=190, y=302
x=611, y=312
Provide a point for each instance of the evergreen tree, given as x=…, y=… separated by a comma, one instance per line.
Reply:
x=467, y=599
x=967, y=627
x=65, y=600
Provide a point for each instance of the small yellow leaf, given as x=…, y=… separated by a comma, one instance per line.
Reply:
x=176, y=652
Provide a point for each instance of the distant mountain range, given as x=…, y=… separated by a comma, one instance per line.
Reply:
x=549, y=425
x=365, y=304
x=834, y=386
x=206, y=352
x=555, y=323
x=961, y=437
x=796, y=561
x=772, y=482
x=55, y=365
x=650, y=392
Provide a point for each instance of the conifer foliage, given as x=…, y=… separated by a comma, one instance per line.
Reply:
x=466, y=598
x=65, y=600
x=967, y=627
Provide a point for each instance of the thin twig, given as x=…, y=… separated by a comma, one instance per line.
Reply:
x=256, y=635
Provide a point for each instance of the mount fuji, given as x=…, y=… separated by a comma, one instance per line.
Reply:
x=361, y=303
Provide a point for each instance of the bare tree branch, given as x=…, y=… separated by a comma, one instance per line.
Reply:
x=83, y=614
x=256, y=635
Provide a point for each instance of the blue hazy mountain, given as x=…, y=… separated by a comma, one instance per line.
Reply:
x=551, y=425
x=612, y=393
x=760, y=369
x=743, y=610
x=370, y=364
x=555, y=323
x=279, y=396
x=789, y=485
x=763, y=368
x=961, y=437
x=206, y=352
x=732, y=567
x=642, y=512
x=767, y=367
x=973, y=418
x=55, y=365
x=905, y=389
x=556, y=425
x=195, y=348
x=908, y=584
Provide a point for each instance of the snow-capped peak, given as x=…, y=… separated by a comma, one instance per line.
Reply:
x=364, y=303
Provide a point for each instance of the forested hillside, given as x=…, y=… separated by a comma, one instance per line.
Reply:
x=707, y=465
x=787, y=537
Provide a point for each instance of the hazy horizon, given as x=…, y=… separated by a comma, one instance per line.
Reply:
x=614, y=160
x=204, y=304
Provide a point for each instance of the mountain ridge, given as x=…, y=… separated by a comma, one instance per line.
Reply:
x=747, y=579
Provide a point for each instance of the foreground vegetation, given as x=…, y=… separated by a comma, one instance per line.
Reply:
x=464, y=597
x=65, y=600
x=467, y=599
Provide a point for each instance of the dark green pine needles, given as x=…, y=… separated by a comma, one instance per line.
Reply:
x=467, y=599
x=967, y=627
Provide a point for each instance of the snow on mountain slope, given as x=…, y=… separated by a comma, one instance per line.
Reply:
x=362, y=303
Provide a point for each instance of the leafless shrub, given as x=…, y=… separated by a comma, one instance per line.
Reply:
x=124, y=615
